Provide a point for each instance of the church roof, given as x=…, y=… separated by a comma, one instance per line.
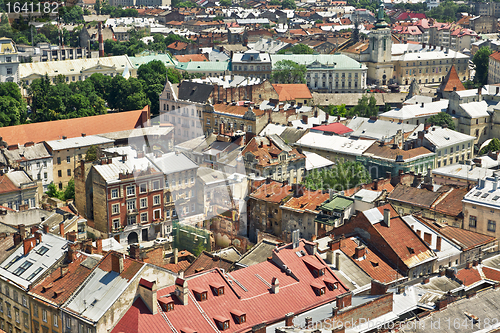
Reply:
x=452, y=81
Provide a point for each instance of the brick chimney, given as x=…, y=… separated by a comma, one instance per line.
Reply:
x=71, y=236
x=360, y=251
x=64, y=270
x=71, y=255
x=181, y=290
x=98, y=244
x=45, y=229
x=17, y=239
x=468, y=265
x=344, y=300
x=38, y=237
x=438, y=243
x=29, y=244
x=61, y=229
x=289, y=319
x=135, y=251
x=117, y=262
x=22, y=231
x=33, y=230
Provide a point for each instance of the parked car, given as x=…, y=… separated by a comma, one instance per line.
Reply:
x=161, y=240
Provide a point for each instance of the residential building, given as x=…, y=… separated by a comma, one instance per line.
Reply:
x=252, y=64
x=334, y=147
x=450, y=147
x=76, y=127
x=18, y=191
x=271, y=157
x=329, y=73
x=264, y=212
x=333, y=213
x=181, y=189
x=205, y=68
x=494, y=68
x=123, y=196
x=377, y=129
x=466, y=174
x=293, y=93
x=415, y=114
x=48, y=52
x=9, y=61
x=217, y=304
x=229, y=118
x=34, y=159
x=443, y=205
x=386, y=231
x=487, y=8
x=67, y=154
x=33, y=258
x=481, y=208
x=183, y=108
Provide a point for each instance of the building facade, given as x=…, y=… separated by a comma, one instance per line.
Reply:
x=9, y=61
x=252, y=64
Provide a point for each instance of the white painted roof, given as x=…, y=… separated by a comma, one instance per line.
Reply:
x=110, y=172
x=78, y=142
x=315, y=161
x=373, y=215
x=476, y=109
x=335, y=143
x=366, y=195
x=444, y=137
x=463, y=171
x=416, y=110
x=173, y=162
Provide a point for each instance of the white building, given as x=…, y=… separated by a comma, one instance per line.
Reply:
x=9, y=61
x=415, y=114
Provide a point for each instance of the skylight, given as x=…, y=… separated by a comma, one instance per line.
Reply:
x=42, y=250
x=11, y=262
x=495, y=198
x=484, y=195
x=21, y=269
x=477, y=194
x=35, y=273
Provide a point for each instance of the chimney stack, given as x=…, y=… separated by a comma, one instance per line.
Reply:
x=438, y=244
x=275, y=285
x=61, y=229
x=289, y=319
x=117, y=262
x=71, y=255
x=181, y=290
x=17, y=239
x=360, y=251
x=337, y=261
x=29, y=244
x=148, y=293
x=176, y=256
x=135, y=252
x=387, y=217
x=98, y=244
x=45, y=229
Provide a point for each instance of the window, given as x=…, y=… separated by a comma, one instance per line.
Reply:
x=116, y=224
x=492, y=226
x=68, y=322
x=144, y=217
x=114, y=193
x=115, y=209
x=9, y=314
x=156, y=185
x=143, y=188
x=130, y=204
x=21, y=269
x=44, y=315
x=56, y=321
x=35, y=310
x=130, y=190
x=59, y=173
x=68, y=172
x=157, y=214
x=131, y=220
x=26, y=319
x=68, y=159
x=156, y=200
x=9, y=70
x=25, y=301
x=15, y=296
x=144, y=202
x=16, y=315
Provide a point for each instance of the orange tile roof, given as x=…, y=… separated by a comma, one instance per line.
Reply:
x=130, y=266
x=191, y=57
x=176, y=268
x=71, y=128
x=291, y=92
x=491, y=274
x=469, y=276
x=371, y=264
x=237, y=110
x=495, y=56
x=451, y=204
x=274, y=192
x=452, y=81
x=387, y=152
x=56, y=288
x=308, y=201
x=468, y=239
x=6, y=185
x=207, y=261
x=177, y=46
x=267, y=154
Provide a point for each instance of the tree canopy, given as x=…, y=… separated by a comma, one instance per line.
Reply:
x=481, y=60
x=225, y=3
x=493, y=145
x=12, y=105
x=366, y=107
x=297, y=49
x=448, y=11
x=68, y=193
x=441, y=119
x=287, y=71
x=344, y=175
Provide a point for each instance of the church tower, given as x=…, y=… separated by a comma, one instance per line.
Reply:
x=380, y=68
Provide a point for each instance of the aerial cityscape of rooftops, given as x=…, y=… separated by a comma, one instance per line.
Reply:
x=265, y=166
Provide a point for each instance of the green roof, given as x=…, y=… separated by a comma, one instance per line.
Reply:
x=203, y=66
x=337, y=203
x=139, y=60
x=326, y=219
x=341, y=61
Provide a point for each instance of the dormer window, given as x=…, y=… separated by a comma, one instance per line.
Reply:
x=200, y=294
x=218, y=289
x=167, y=305
x=222, y=322
x=239, y=316
x=318, y=289
x=331, y=284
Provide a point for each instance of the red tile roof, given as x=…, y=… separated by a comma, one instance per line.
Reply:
x=291, y=92
x=255, y=300
x=6, y=185
x=207, y=261
x=191, y=57
x=452, y=81
x=71, y=128
x=371, y=264
x=407, y=15
x=64, y=285
x=451, y=202
x=469, y=276
x=273, y=192
x=266, y=152
x=177, y=46
x=309, y=201
x=336, y=128
x=466, y=238
x=402, y=240
x=495, y=56
x=176, y=268
x=491, y=274
x=237, y=110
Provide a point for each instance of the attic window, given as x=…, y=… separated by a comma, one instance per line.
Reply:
x=167, y=306
x=331, y=284
x=484, y=195
x=239, y=316
x=222, y=322
x=218, y=289
x=495, y=198
x=411, y=250
x=477, y=194
x=318, y=289
x=42, y=250
x=374, y=263
x=200, y=294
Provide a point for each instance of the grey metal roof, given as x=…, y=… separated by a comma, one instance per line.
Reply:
x=77, y=142
x=110, y=172
x=194, y=91
x=37, y=151
x=444, y=137
x=476, y=109
x=377, y=129
x=19, y=177
x=42, y=257
x=315, y=161
x=139, y=132
x=258, y=253
x=172, y=163
x=373, y=215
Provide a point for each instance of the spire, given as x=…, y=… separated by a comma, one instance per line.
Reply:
x=381, y=23
x=451, y=82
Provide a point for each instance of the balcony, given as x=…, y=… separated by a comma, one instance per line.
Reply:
x=132, y=212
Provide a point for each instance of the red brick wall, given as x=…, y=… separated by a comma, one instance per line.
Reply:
x=370, y=310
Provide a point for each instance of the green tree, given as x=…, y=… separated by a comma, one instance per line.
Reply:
x=174, y=76
x=288, y=4
x=91, y=154
x=53, y=192
x=69, y=191
x=344, y=175
x=336, y=110
x=366, y=107
x=448, y=11
x=226, y=3
x=297, y=49
x=275, y=2
x=287, y=71
x=199, y=248
x=441, y=119
x=493, y=145
x=71, y=14
x=481, y=60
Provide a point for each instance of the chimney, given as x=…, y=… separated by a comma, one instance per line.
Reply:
x=117, y=262
x=33, y=230
x=360, y=252
x=442, y=272
x=17, y=239
x=38, y=237
x=22, y=231
x=176, y=256
x=181, y=290
x=426, y=279
x=308, y=321
x=438, y=244
x=45, y=229
x=289, y=319
x=275, y=285
x=98, y=244
x=29, y=244
x=387, y=217
x=61, y=229
x=468, y=265
x=422, y=105
x=479, y=91
x=71, y=255
x=475, y=262
x=148, y=293
x=305, y=118
x=337, y=261
x=71, y=236
x=124, y=158
x=135, y=252
x=64, y=270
